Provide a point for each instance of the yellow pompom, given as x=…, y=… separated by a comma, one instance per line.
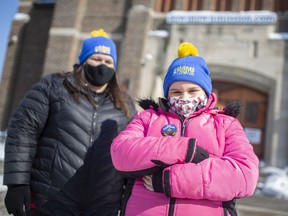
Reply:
x=186, y=49
x=99, y=32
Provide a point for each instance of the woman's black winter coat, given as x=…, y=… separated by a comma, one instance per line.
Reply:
x=61, y=148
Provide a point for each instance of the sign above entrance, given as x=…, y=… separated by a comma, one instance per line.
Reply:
x=213, y=17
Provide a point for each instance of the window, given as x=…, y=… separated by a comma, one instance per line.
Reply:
x=251, y=5
x=280, y=6
x=164, y=5
x=191, y=5
x=251, y=113
x=221, y=5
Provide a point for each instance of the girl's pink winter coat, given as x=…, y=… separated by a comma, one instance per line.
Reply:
x=230, y=172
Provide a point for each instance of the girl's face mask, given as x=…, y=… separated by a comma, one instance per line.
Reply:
x=185, y=107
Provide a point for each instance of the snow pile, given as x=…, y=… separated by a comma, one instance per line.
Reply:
x=273, y=182
x=3, y=135
x=2, y=144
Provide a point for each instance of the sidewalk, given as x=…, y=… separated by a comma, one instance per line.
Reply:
x=249, y=206
x=258, y=205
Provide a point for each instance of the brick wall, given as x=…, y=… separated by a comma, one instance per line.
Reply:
x=25, y=58
x=8, y=76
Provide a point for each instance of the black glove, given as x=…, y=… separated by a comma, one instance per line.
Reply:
x=17, y=199
x=199, y=154
x=157, y=181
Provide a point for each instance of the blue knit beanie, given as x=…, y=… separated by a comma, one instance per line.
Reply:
x=98, y=43
x=188, y=67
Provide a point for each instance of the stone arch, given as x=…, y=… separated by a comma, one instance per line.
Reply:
x=243, y=76
x=254, y=80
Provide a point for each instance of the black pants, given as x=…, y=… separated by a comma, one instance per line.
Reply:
x=34, y=212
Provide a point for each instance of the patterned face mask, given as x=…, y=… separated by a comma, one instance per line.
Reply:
x=184, y=107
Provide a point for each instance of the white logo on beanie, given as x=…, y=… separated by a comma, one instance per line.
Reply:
x=102, y=49
x=188, y=70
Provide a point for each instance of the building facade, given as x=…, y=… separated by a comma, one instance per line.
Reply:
x=243, y=41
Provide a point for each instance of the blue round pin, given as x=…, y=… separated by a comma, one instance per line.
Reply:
x=169, y=130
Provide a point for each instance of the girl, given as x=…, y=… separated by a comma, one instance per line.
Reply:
x=185, y=157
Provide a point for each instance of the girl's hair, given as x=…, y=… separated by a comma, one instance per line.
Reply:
x=119, y=99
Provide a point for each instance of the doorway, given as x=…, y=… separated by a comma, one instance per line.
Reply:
x=253, y=110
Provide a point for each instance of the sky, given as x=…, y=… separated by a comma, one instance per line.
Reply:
x=8, y=9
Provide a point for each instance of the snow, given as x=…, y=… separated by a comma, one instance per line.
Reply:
x=2, y=151
x=2, y=144
x=2, y=187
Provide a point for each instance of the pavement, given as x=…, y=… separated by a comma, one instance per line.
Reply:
x=259, y=205
x=250, y=206
x=256, y=205
x=3, y=211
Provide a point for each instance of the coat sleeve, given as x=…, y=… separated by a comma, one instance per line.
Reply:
x=234, y=175
x=23, y=132
x=135, y=153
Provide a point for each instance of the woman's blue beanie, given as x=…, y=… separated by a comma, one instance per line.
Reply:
x=98, y=43
x=188, y=67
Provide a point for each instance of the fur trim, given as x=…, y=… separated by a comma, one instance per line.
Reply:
x=232, y=109
x=148, y=103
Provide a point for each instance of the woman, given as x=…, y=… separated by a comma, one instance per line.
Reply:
x=58, y=144
x=186, y=157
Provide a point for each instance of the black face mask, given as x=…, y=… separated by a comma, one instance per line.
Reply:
x=98, y=75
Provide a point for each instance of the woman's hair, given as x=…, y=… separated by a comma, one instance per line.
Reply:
x=118, y=97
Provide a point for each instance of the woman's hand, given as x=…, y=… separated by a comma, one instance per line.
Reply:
x=148, y=182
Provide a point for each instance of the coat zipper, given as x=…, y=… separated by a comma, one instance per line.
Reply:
x=93, y=131
x=173, y=200
x=183, y=128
